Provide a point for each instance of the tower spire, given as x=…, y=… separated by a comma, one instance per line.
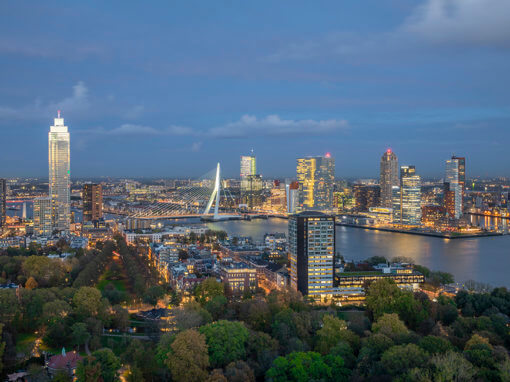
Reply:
x=58, y=113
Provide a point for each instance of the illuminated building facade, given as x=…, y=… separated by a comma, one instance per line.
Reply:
x=92, y=195
x=312, y=253
x=405, y=278
x=407, y=198
x=59, y=174
x=292, y=196
x=43, y=217
x=248, y=165
x=3, y=202
x=239, y=277
x=366, y=196
x=388, y=177
x=455, y=181
x=343, y=200
x=251, y=190
x=277, y=201
x=316, y=176
x=432, y=215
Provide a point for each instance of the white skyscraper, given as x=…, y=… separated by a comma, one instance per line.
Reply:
x=59, y=174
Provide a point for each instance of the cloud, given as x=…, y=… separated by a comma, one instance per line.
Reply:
x=77, y=102
x=41, y=47
x=477, y=22
x=247, y=126
x=273, y=125
x=180, y=130
x=130, y=129
x=196, y=146
x=435, y=22
x=134, y=112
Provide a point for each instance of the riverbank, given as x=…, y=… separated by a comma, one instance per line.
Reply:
x=441, y=235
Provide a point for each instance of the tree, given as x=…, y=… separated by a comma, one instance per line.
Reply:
x=2, y=348
x=140, y=356
x=447, y=312
x=401, y=358
x=135, y=375
x=390, y=325
x=307, y=366
x=435, y=345
x=46, y=271
x=9, y=307
x=102, y=365
x=239, y=371
x=31, y=283
x=153, y=294
x=382, y=296
x=191, y=315
x=57, y=309
x=188, y=359
x=441, y=278
x=451, y=366
x=423, y=270
x=375, y=260
x=411, y=310
x=261, y=350
x=333, y=330
x=216, y=306
x=88, y=302
x=217, y=376
x=80, y=335
x=208, y=289
x=120, y=317
x=226, y=341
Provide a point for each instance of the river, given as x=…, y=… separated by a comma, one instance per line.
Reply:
x=485, y=259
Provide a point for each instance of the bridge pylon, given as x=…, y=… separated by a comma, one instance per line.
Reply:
x=215, y=194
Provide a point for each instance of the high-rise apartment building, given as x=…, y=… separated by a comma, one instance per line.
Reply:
x=312, y=253
x=455, y=181
x=316, y=176
x=92, y=195
x=407, y=198
x=43, y=217
x=248, y=165
x=388, y=177
x=59, y=174
x=3, y=203
x=366, y=196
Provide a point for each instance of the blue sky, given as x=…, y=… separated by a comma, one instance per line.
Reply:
x=167, y=89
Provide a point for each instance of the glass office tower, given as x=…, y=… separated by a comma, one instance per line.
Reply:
x=316, y=176
x=455, y=181
x=248, y=165
x=388, y=177
x=407, y=198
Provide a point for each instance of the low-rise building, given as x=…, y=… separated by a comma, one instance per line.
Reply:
x=351, y=286
x=64, y=363
x=239, y=277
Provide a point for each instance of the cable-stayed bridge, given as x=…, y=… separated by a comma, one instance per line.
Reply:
x=202, y=199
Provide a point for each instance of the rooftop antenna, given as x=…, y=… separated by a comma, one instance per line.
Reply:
x=251, y=151
x=58, y=113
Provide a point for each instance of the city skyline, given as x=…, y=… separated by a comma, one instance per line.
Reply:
x=175, y=87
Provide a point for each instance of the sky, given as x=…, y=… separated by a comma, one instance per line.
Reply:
x=168, y=88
